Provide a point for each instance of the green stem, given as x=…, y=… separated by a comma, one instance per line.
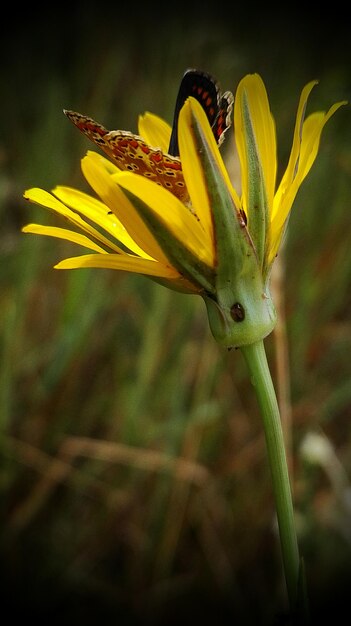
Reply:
x=256, y=360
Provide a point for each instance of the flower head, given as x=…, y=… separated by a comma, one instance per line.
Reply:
x=179, y=220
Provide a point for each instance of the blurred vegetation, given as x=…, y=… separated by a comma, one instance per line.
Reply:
x=134, y=481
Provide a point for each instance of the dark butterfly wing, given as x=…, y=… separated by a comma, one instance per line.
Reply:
x=223, y=119
x=205, y=89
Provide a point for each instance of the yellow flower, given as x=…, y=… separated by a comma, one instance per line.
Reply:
x=180, y=240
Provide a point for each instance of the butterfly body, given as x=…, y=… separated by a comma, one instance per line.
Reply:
x=130, y=152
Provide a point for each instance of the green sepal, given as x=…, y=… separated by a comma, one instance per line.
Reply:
x=241, y=312
x=257, y=208
x=179, y=256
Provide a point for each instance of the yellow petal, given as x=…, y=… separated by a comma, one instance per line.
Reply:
x=311, y=134
x=251, y=92
x=110, y=167
x=40, y=196
x=46, y=199
x=120, y=262
x=63, y=233
x=193, y=172
x=292, y=168
x=98, y=212
x=172, y=212
x=309, y=145
x=105, y=187
x=155, y=131
x=191, y=163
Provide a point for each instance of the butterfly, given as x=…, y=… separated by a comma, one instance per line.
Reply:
x=130, y=152
x=217, y=107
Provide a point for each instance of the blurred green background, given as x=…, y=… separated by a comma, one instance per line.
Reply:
x=134, y=479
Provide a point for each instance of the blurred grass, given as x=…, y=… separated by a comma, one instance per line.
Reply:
x=134, y=482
